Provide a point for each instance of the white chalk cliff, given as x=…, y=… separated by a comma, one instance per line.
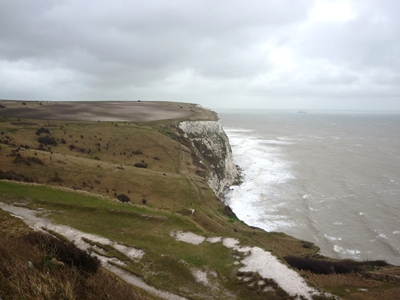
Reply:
x=211, y=145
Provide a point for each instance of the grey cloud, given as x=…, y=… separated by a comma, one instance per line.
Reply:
x=366, y=42
x=212, y=52
x=109, y=30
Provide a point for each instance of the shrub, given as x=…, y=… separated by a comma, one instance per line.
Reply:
x=123, y=198
x=307, y=244
x=56, y=178
x=42, y=130
x=375, y=263
x=11, y=175
x=28, y=160
x=47, y=140
x=35, y=160
x=323, y=266
x=64, y=251
x=19, y=160
x=140, y=165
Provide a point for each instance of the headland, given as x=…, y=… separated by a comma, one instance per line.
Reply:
x=139, y=186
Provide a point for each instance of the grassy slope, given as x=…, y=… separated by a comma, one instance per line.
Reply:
x=52, y=280
x=171, y=188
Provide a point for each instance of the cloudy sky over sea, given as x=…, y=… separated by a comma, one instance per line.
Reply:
x=303, y=54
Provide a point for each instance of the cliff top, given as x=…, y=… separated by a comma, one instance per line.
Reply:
x=134, y=111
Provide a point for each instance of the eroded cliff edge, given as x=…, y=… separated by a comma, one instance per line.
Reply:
x=211, y=145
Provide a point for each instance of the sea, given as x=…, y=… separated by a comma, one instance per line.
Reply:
x=328, y=177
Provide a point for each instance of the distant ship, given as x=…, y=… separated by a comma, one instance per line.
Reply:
x=301, y=112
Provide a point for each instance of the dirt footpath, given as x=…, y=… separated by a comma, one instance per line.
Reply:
x=134, y=111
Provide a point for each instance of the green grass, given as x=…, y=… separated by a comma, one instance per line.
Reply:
x=137, y=226
x=88, y=209
x=162, y=184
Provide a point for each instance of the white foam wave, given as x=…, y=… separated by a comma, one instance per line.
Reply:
x=264, y=174
x=277, y=142
x=346, y=252
x=332, y=238
x=382, y=235
x=239, y=130
x=286, y=138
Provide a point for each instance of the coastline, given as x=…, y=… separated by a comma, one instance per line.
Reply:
x=258, y=153
x=170, y=192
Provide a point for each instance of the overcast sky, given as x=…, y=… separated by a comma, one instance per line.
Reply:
x=298, y=54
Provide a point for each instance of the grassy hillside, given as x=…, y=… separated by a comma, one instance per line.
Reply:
x=137, y=184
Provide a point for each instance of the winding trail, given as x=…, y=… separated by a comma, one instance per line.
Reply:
x=74, y=235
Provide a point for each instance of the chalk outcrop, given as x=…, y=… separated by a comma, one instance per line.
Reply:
x=211, y=145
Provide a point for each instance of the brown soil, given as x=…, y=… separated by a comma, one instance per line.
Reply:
x=137, y=111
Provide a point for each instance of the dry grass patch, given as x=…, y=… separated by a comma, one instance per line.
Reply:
x=30, y=270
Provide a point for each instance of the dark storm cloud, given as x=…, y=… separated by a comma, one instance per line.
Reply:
x=217, y=53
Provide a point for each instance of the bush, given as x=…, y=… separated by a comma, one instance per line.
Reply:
x=46, y=140
x=375, y=263
x=323, y=266
x=141, y=165
x=11, y=175
x=20, y=159
x=64, y=251
x=56, y=178
x=123, y=198
x=306, y=244
x=35, y=160
x=42, y=130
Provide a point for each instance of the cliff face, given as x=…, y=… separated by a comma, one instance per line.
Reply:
x=211, y=145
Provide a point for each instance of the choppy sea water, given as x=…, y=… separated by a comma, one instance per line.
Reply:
x=332, y=178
